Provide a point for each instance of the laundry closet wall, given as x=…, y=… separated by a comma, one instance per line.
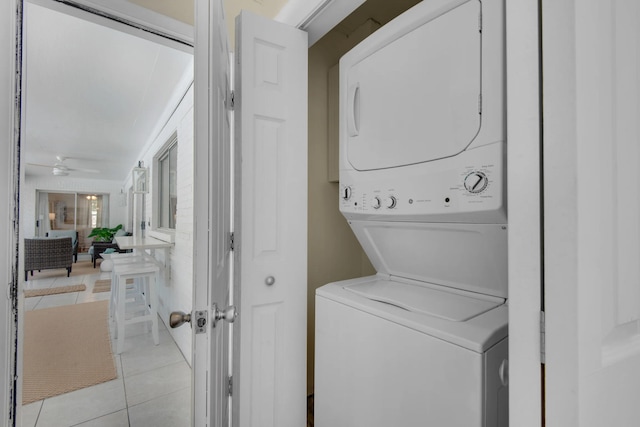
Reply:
x=334, y=253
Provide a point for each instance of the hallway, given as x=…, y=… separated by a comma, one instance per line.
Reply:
x=153, y=384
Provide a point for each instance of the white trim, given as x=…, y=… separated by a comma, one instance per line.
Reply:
x=132, y=13
x=523, y=160
x=300, y=13
x=200, y=411
x=560, y=29
x=317, y=17
x=8, y=252
x=156, y=198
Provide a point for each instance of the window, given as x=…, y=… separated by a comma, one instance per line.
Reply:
x=167, y=193
x=71, y=211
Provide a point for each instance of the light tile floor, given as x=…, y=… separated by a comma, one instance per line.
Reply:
x=153, y=384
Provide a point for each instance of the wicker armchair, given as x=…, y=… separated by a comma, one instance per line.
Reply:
x=48, y=253
x=67, y=233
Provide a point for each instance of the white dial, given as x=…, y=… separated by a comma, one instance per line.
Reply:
x=346, y=193
x=390, y=202
x=476, y=182
x=375, y=202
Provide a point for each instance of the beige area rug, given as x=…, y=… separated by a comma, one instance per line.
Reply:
x=66, y=349
x=79, y=268
x=52, y=291
x=104, y=285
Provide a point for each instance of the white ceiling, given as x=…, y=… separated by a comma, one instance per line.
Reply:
x=94, y=94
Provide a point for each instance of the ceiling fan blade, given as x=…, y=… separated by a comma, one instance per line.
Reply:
x=62, y=159
x=43, y=166
x=82, y=170
x=63, y=170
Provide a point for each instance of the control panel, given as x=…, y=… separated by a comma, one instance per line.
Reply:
x=469, y=187
x=448, y=193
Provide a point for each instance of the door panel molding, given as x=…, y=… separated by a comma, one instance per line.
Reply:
x=592, y=276
x=269, y=356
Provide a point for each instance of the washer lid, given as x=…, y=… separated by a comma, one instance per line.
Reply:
x=478, y=333
x=411, y=92
x=446, y=304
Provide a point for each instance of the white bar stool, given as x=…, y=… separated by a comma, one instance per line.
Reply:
x=147, y=273
x=120, y=259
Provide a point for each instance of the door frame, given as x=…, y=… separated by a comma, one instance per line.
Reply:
x=591, y=103
x=524, y=195
x=524, y=255
x=10, y=76
x=136, y=16
x=11, y=113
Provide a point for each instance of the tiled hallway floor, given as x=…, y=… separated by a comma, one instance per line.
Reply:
x=153, y=384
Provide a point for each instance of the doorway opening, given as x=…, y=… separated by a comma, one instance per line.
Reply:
x=109, y=106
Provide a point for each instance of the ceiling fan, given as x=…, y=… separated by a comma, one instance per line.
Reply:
x=60, y=169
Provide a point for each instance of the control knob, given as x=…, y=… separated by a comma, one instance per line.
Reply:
x=390, y=202
x=476, y=182
x=375, y=202
x=346, y=193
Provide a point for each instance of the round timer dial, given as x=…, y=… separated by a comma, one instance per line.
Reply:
x=346, y=192
x=476, y=182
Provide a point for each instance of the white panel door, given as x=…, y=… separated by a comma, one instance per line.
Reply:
x=269, y=367
x=212, y=214
x=591, y=93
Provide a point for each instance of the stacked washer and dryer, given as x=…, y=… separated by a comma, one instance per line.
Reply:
x=423, y=186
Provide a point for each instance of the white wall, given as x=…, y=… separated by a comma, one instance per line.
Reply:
x=176, y=293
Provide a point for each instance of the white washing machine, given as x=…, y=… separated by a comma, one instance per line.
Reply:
x=422, y=184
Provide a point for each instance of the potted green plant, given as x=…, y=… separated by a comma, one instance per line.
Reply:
x=104, y=234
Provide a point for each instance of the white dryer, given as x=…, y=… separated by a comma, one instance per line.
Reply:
x=422, y=184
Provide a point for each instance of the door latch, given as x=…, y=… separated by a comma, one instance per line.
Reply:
x=199, y=322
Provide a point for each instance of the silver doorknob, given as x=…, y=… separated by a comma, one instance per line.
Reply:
x=178, y=318
x=228, y=314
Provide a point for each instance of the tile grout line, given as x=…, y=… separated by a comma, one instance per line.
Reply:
x=165, y=365
x=39, y=413
x=124, y=389
x=169, y=393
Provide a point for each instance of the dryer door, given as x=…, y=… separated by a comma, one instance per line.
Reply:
x=410, y=93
